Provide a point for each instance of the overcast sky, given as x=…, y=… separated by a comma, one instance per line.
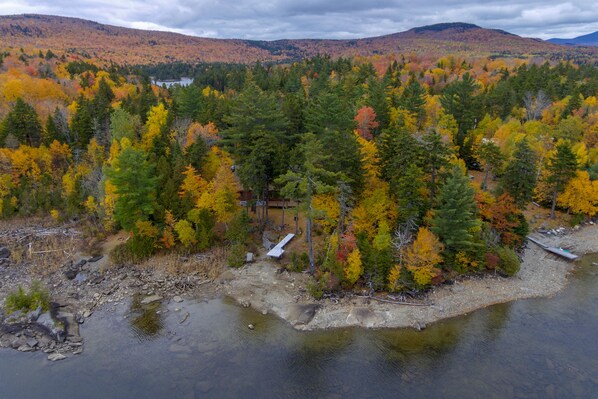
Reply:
x=334, y=19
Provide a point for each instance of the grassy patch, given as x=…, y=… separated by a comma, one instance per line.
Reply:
x=37, y=296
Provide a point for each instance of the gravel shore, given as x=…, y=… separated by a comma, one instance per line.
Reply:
x=542, y=274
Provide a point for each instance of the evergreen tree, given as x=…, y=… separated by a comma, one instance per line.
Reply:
x=491, y=159
x=133, y=177
x=458, y=100
x=252, y=112
x=398, y=150
x=435, y=155
x=562, y=168
x=455, y=220
x=82, y=126
x=188, y=101
x=51, y=132
x=101, y=108
x=408, y=189
x=255, y=137
x=519, y=179
x=414, y=99
x=377, y=100
x=23, y=124
x=328, y=113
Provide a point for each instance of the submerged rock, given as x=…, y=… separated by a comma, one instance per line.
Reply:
x=364, y=317
x=151, y=299
x=302, y=313
x=53, y=357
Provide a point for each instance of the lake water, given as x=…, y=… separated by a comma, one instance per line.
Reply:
x=182, y=81
x=538, y=348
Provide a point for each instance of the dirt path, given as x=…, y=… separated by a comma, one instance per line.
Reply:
x=262, y=287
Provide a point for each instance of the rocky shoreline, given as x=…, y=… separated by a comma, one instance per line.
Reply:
x=85, y=283
x=77, y=288
x=262, y=287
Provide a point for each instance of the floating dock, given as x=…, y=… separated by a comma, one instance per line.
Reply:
x=557, y=251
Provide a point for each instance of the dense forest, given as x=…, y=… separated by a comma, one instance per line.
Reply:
x=376, y=153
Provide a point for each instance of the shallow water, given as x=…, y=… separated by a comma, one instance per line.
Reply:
x=539, y=348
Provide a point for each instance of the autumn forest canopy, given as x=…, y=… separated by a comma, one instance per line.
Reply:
x=408, y=170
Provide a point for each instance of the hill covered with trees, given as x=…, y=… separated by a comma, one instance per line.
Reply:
x=132, y=46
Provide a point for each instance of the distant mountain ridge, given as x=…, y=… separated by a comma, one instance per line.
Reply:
x=590, y=39
x=134, y=46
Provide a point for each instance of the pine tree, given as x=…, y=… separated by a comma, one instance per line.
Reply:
x=455, y=220
x=561, y=168
x=491, y=158
x=414, y=99
x=82, y=123
x=51, y=132
x=23, y=123
x=519, y=179
x=435, y=154
x=328, y=113
x=133, y=177
x=459, y=101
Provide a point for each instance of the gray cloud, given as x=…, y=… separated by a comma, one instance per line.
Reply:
x=333, y=19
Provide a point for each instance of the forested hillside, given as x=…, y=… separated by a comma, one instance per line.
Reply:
x=376, y=153
x=132, y=46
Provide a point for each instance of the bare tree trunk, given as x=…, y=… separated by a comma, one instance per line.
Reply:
x=296, y=218
x=432, y=187
x=266, y=206
x=553, y=204
x=312, y=265
x=282, y=222
x=485, y=182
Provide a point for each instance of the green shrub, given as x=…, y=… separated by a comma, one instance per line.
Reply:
x=509, y=261
x=577, y=219
x=136, y=249
x=299, y=263
x=315, y=288
x=37, y=296
x=236, y=257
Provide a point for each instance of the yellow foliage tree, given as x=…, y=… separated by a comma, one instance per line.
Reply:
x=156, y=121
x=374, y=208
x=221, y=195
x=185, y=232
x=370, y=159
x=327, y=211
x=192, y=185
x=353, y=268
x=108, y=204
x=423, y=256
x=580, y=195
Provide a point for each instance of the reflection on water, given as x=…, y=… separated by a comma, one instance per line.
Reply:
x=146, y=319
x=540, y=348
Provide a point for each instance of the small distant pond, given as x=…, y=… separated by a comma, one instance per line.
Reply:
x=538, y=348
x=171, y=82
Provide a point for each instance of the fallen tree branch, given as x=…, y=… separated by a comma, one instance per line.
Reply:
x=394, y=302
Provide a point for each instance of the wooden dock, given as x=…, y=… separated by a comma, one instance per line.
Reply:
x=277, y=251
x=557, y=251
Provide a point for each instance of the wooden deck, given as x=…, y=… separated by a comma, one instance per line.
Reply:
x=558, y=251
